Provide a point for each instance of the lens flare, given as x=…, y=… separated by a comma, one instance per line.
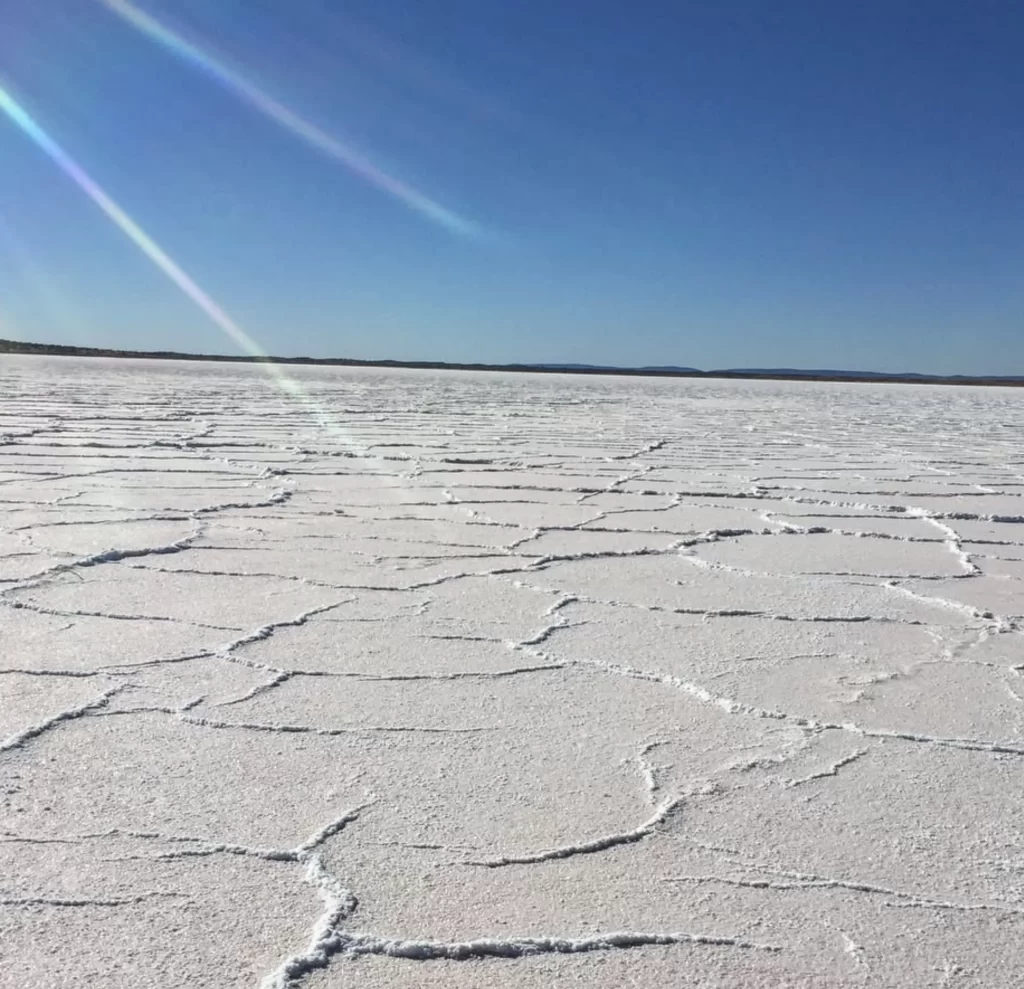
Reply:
x=10, y=107
x=301, y=128
x=21, y=117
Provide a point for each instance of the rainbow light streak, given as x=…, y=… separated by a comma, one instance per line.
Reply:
x=127, y=225
x=21, y=117
x=355, y=162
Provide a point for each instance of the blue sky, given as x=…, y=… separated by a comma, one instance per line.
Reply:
x=714, y=184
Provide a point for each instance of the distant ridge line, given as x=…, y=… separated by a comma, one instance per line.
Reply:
x=666, y=371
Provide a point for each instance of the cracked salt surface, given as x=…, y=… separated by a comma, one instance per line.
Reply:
x=440, y=679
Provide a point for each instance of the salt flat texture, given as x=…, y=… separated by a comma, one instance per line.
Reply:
x=334, y=677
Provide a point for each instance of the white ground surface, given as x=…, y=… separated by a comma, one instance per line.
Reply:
x=412, y=680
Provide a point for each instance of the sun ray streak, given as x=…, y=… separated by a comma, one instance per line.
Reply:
x=31, y=128
x=21, y=117
x=356, y=163
x=11, y=108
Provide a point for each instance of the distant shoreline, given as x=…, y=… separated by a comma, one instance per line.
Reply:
x=60, y=350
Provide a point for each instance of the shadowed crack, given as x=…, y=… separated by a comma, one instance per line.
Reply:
x=18, y=740
x=661, y=815
x=90, y=901
x=789, y=881
x=348, y=730
x=832, y=770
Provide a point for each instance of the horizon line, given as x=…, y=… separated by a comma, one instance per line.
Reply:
x=24, y=347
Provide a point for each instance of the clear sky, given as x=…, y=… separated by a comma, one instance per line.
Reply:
x=737, y=183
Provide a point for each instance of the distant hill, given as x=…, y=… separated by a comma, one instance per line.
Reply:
x=831, y=374
x=792, y=372
x=613, y=369
x=795, y=372
x=573, y=367
x=671, y=370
